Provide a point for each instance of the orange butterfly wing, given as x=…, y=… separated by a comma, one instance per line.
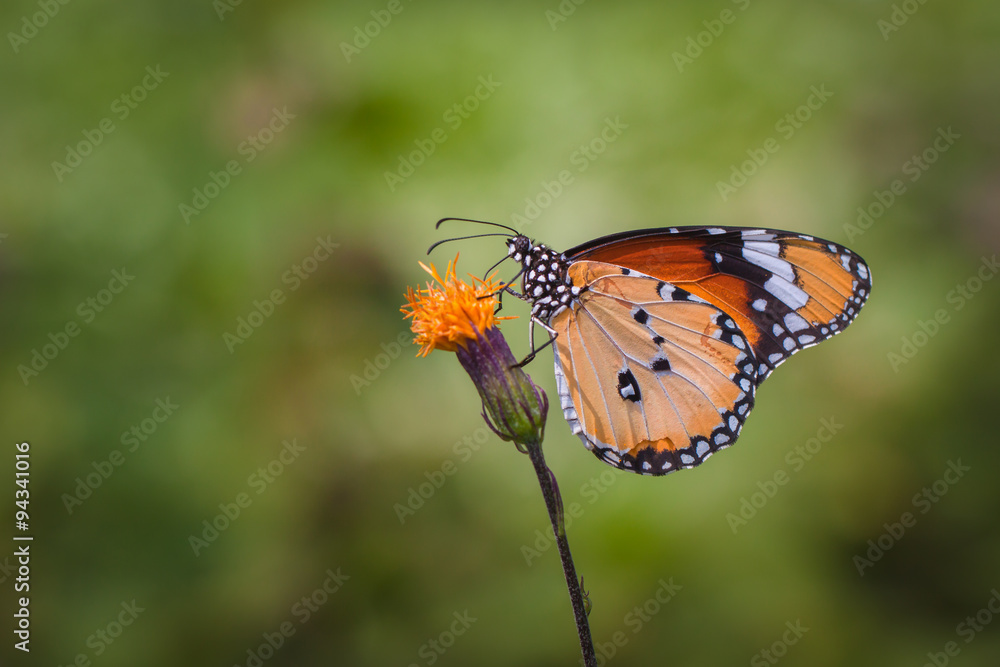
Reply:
x=785, y=291
x=652, y=378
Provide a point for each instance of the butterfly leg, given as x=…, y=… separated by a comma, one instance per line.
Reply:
x=506, y=288
x=499, y=296
x=531, y=340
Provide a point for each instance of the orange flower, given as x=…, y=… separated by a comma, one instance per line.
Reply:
x=456, y=316
x=452, y=312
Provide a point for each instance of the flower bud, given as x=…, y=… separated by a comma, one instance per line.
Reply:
x=514, y=407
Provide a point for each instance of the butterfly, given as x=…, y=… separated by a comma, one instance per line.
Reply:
x=662, y=336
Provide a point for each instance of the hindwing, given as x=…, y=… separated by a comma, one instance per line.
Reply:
x=651, y=377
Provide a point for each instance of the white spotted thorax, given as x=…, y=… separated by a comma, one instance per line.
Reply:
x=546, y=282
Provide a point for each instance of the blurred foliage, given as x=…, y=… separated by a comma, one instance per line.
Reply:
x=367, y=446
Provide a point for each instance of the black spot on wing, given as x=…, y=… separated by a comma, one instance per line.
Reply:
x=628, y=388
x=660, y=365
x=640, y=316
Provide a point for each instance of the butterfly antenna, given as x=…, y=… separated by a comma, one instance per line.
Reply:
x=463, y=238
x=502, y=260
x=479, y=222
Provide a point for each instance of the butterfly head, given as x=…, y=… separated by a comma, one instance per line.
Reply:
x=546, y=276
x=518, y=248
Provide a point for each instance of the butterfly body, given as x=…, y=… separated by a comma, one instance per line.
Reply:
x=662, y=336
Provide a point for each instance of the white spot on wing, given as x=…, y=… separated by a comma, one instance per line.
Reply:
x=760, y=305
x=772, y=263
x=762, y=246
x=795, y=322
x=566, y=402
x=788, y=293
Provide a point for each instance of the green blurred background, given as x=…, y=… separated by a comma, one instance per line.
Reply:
x=364, y=445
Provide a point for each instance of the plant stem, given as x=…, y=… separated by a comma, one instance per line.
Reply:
x=553, y=503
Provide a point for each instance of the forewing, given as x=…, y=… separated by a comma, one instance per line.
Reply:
x=785, y=291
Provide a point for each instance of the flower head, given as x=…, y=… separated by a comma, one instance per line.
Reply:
x=452, y=312
x=460, y=318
